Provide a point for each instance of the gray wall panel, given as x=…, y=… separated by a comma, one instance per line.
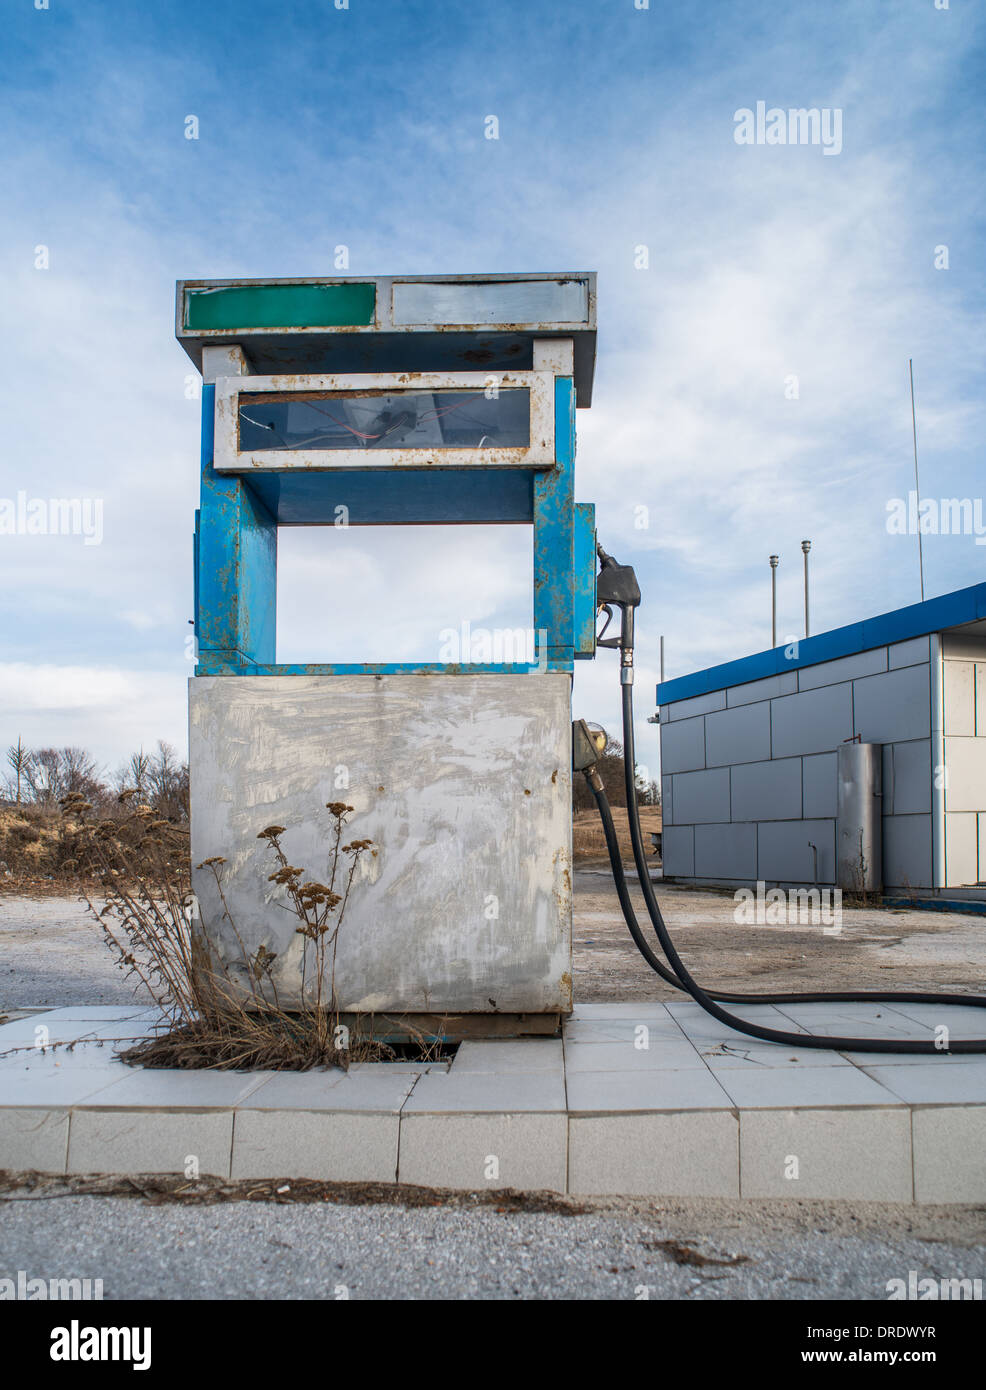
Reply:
x=740, y=735
x=893, y=707
x=907, y=787
x=698, y=704
x=701, y=796
x=683, y=745
x=726, y=851
x=766, y=791
x=784, y=684
x=908, y=653
x=784, y=851
x=815, y=721
x=846, y=668
x=679, y=851
x=820, y=775
x=907, y=851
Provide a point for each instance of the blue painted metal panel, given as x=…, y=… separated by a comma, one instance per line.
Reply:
x=395, y=497
x=916, y=620
x=237, y=563
x=585, y=581
x=554, y=538
x=236, y=546
x=232, y=665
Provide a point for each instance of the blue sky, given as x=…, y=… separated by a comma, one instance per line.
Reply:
x=365, y=127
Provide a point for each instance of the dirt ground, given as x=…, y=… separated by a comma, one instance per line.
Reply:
x=51, y=952
x=877, y=948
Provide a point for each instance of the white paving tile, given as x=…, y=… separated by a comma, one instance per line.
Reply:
x=751, y=1055
x=933, y=1084
x=34, y=1140
x=95, y=1013
x=522, y=1055
x=56, y=1086
x=950, y=1154
x=480, y=1092
x=960, y=1021
x=852, y=1154
x=150, y=1141
x=808, y=1087
x=662, y=1054
x=594, y=1013
x=620, y=1029
x=154, y=1088
x=594, y=1092
x=332, y=1090
x=330, y=1145
x=478, y=1151
x=654, y=1155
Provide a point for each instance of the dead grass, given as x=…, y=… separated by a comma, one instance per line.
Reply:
x=164, y=1190
x=223, y=1014
x=588, y=841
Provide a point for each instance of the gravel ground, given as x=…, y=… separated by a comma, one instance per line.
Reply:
x=271, y=1251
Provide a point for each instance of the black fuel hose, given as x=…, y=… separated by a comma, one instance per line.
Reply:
x=680, y=978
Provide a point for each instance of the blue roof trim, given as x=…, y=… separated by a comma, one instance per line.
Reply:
x=917, y=620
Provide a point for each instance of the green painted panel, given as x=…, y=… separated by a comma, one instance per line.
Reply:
x=280, y=306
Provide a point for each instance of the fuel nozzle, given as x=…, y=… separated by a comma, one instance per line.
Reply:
x=617, y=587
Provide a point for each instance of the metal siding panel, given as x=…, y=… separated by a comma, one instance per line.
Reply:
x=819, y=773
x=961, y=849
x=910, y=772
x=687, y=709
x=848, y=667
x=959, y=678
x=726, y=851
x=907, y=851
x=701, y=796
x=678, y=851
x=813, y=721
x=784, y=852
x=766, y=689
x=894, y=707
x=740, y=735
x=766, y=790
x=683, y=745
x=965, y=760
x=908, y=653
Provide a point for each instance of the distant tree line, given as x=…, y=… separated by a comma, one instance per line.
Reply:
x=43, y=777
x=610, y=768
